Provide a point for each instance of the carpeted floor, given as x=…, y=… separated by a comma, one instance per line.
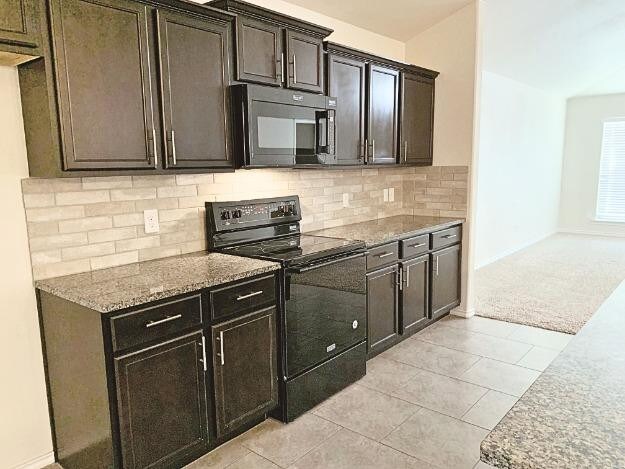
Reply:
x=555, y=284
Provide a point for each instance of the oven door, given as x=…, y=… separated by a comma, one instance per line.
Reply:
x=286, y=134
x=325, y=310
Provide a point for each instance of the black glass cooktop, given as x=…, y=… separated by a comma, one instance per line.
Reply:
x=296, y=248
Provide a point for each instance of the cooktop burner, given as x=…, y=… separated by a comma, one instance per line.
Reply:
x=296, y=248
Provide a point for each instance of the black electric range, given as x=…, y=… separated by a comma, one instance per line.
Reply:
x=322, y=307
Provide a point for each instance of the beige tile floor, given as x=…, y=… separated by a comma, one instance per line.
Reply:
x=425, y=403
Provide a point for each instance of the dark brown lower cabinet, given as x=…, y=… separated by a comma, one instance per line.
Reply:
x=382, y=308
x=445, y=280
x=162, y=403
x=415, y=293
x=244, y=368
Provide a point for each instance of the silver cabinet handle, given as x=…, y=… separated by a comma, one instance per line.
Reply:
x=405, y=151
x=386, y=254
x=173, y=147
x=203, y=360
x=436, y=265
x=449, y=236
x=249, y=295
x=418, y=245
x=282, y=67
x=163, y=321
x=294, y=69
x=366, y=155
x=154, y=153
x=221, y=348
x=407, y=276
x=373, y=148
x=400, y=276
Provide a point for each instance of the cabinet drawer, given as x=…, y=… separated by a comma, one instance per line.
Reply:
x=415, y=246
x=382, y=255
x=447, y=237
x=153, y=323
x=243, y=297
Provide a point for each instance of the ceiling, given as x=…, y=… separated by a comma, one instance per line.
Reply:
x=398, y=19
x=566, y=47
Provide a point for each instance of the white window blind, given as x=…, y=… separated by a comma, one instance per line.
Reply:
x=611, y=192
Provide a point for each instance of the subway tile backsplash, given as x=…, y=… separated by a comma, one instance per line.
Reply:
x=81, y=224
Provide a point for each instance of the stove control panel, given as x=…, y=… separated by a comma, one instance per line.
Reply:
x=256, y=212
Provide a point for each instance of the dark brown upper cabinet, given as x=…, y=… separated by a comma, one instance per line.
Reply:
x=195, y=73
x=107, y=98
x=417, y=119
x=383, y=115
x=245, y=369
x=20, y=37
x=305, y=62
x=347, y=82
x=276, y=49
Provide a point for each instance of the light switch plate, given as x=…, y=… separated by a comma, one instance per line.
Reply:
x=385, y=195
x=345, y=199
x=391, y=194
x=150, y=221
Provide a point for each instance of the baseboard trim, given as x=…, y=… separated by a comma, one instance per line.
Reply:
x=509, y=252
x=592, y=233
x=462, y=312
x=38, y=463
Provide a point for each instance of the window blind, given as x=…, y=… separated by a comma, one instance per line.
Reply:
x=611, y=188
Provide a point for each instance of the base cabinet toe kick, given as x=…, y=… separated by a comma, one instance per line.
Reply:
x=411, y=283
x=158, y=386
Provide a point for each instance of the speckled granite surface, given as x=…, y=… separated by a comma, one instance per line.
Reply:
x=111, y=289
x=388, y=229
x=573, y=416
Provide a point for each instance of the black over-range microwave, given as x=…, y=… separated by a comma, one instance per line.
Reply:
x=278, y=127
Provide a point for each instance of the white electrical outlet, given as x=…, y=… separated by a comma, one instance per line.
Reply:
x=150, y=221
x=345, y=200
x=385, y=195
x=391, y=194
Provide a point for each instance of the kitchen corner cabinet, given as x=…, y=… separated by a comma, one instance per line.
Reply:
x=416, y=120
x=153, y=392
x=244, y=368
x=275, y=49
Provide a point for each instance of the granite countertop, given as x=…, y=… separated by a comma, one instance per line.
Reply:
x=388, y=229
x=574, y=414
x=115, y=288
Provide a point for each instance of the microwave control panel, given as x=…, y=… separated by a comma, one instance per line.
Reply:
x=259, y=213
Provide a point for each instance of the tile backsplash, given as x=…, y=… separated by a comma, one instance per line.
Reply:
x=81, y=224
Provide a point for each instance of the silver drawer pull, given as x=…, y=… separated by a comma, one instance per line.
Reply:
x=163, y=321
x=419, y=245
x=386, y=254
x=249, y=295
x=221, y=348
x=449, y=236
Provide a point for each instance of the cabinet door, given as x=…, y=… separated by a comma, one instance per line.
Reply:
x=104, y=84
x=445, y=280
x=245, y=369
x=415, y=293
x=346, y=82
x=382, y=309
x=19, y=22
x=383, y=114
x=194, y=78
x=162, y=403
x=305, y=62
x=259, y=52
x=417, y=119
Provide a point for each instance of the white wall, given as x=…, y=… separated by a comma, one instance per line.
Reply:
x=450, y=48
x=582, y=157
x=520, y=163
x=25, y=428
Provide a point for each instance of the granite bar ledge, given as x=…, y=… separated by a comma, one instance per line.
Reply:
x=130, y=285
x=573, y=416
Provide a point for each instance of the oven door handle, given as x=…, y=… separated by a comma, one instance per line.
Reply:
x=301, y=270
